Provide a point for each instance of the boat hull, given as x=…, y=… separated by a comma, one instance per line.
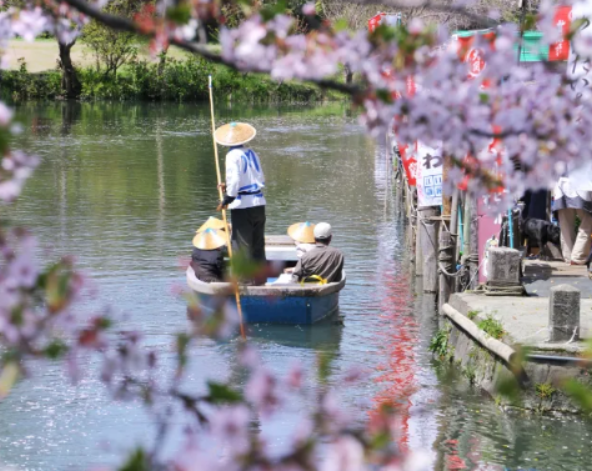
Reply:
x=289, y=310
x=284, y=304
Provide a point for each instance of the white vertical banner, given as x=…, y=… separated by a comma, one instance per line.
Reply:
x=429, y=175
x=579, y=63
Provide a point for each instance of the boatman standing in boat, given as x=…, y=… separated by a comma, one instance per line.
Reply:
x=243, y=189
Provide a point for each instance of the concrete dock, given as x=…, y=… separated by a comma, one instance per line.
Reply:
x=525, y=318
x=525, y=321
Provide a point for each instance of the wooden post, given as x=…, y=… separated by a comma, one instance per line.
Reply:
x=473, y=243
x=453, y=228
x=446, y=262
x=446, y=199
x=428, y=242
x=413, y=236
x=418, y=252
x=467, y=228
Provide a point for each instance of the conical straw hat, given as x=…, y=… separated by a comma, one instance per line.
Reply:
x=212, y=223
x=302, y=232
x=210, y=239
x=234, y=134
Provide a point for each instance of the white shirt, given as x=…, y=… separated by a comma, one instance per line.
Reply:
x=244, y=173
x=572, y=188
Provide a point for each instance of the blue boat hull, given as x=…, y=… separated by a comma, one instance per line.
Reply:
x=292, y=310
x=273, y=303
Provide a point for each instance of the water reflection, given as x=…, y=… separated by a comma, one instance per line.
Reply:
x=324, y=336
x=124, y=186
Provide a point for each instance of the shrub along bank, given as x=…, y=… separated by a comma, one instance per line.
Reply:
x=170, y=80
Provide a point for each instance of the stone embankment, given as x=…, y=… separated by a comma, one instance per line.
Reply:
x=525, y=351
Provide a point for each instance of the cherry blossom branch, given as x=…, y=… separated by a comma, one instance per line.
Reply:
x=123, y=24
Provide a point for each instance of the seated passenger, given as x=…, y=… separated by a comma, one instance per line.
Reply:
x=207, y=258
x=214, y=223
x=302, y=233
x=322, y=261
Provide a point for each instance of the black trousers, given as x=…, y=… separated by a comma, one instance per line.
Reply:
x=248, y=231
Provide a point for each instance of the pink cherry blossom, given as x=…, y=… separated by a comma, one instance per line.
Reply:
x=309, y=9
x=230, y=426
x=295, y=376
x=262, y=391
x=344, y=454
x=30, y=23
x=22, y=271
x=5, y=115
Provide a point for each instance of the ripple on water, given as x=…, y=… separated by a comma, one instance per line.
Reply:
x=124, y=187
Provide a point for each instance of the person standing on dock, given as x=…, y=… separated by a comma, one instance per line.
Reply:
x=243, y=189
x=573, y=197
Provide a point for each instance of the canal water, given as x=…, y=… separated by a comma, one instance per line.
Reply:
x=124, y=186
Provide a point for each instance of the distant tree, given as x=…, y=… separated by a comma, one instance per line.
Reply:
x=112, y=49
x=71, y=86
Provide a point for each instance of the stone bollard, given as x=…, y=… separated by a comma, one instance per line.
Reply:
x=564, y=313
x=503, y=266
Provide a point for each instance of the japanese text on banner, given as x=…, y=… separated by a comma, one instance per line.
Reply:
x=429, y=175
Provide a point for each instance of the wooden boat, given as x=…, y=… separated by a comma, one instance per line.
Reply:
x=275, y=304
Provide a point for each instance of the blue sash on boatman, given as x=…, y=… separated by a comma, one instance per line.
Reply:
x=245, y=183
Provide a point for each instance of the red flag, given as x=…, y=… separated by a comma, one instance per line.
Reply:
x=375, y=21
x=559, y=51
x=409, y=164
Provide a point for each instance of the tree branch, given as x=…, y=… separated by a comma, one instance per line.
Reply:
x=123, y=24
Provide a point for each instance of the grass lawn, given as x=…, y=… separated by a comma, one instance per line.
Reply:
x=42, y=54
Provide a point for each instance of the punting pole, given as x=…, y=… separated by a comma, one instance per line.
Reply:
x=221, y=195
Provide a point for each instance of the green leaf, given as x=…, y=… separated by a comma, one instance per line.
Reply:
x=137, y=461
x=103, y=323
x=340, y=25
x=182, y=343
x=575, y=26
x=387, y=33
x=384, y=95
x=243, y=265
x=220, y=393
x=180, y=14
x=269, y=12
x=530, y=22
x=55, y=349
x=509, y=388
x=8, y=377
x=579, y=393
x=324, y=360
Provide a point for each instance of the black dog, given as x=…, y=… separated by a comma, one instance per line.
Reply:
x=540, y=232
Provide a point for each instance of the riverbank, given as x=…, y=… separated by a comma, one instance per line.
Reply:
x=124, y=185
x=515, y=328
x=177, y=77
x=173, y=81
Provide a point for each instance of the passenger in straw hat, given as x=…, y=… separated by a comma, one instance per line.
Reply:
x=243, y=189
x=302, y=233
x=212, y=223
x=323, y=261
x=207, y=258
